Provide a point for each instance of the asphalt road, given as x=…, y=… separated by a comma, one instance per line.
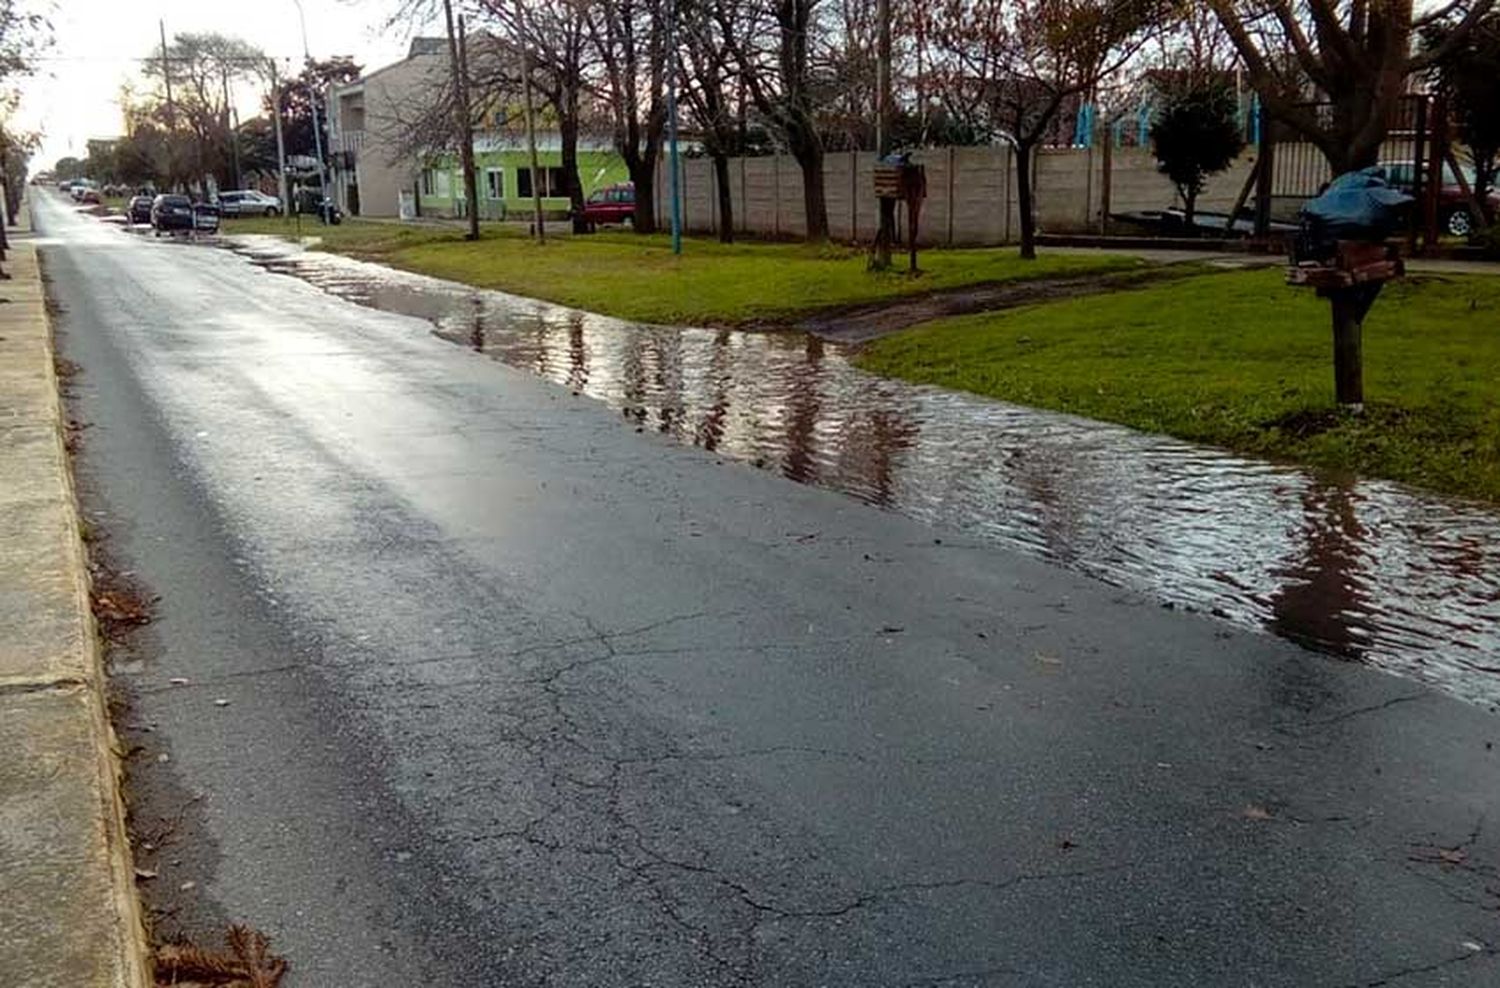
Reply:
x=519, y=696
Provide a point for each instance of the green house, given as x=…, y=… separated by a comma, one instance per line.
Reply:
x=505, y=180
x=375, y=174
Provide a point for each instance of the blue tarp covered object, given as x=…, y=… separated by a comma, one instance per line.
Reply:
x=1359, y=205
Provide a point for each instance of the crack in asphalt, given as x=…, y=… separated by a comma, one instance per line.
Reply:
x=984, y=973
x=1356, y=712
x=1391, y=977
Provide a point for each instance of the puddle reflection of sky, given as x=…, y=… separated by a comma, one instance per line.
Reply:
x=1363, y=569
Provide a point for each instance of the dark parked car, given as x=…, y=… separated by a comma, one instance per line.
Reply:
x=611, y=204
x=1454, y=217
x=309, y=203
x=205, y=217
x=138, y=210
x=170, y=213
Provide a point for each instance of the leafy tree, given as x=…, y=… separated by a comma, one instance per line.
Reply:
x=296, y=101
x=24, y=33
x=16, y=149
x=1471, y=80
x=200, y=69
x=1195, y=134
x=69, y=167
x=258, y=146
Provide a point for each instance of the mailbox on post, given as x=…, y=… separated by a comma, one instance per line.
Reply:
x=1342, y=252
x=898, y=178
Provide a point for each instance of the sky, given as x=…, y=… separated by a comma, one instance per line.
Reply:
x=99, y=44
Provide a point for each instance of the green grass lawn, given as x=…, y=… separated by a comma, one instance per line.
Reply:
x=1243, y=361
x=637, y=277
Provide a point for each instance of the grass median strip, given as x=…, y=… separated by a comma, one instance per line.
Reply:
x=1241, y=360
x=637, y=277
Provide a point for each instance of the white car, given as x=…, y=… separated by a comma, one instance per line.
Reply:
x=248, y=202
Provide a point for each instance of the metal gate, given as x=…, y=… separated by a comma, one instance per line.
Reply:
x=1414, y=148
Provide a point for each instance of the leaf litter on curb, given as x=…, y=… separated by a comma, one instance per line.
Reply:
x=245, y=962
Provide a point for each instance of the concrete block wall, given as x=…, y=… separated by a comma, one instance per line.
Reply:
x=971, y=193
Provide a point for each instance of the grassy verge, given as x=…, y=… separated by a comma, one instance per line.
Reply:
x=638, y=277
x=1242, y=361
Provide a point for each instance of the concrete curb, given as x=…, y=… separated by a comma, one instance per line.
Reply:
x=69, y=914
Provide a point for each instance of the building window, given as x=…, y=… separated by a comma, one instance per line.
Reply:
x=427, y=183
x=554, y=182
x=494, y=183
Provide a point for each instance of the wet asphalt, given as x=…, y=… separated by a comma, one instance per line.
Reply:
x=485, y=686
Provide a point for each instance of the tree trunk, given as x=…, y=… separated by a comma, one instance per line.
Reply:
x=567, y=126
x=726, y=199
x=1484, y=166
x=1024, y=160
x=643, y=174
x=1189, y=209
x=808, y=151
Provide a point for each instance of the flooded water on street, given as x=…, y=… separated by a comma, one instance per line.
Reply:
x=1367, y=570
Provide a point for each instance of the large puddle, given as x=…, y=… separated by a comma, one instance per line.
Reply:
x=1367, y=570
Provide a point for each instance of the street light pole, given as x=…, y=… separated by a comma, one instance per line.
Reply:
x=312, y=99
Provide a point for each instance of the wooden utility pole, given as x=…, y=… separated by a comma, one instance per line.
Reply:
x=286, y=199
x=166, y=78
x=881, y=259
x=538, y=222
x=231, y=119
x=457, y=52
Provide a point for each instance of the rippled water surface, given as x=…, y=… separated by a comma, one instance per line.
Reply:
x=1364, y=569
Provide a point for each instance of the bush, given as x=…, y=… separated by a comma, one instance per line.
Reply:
x=1195, y=135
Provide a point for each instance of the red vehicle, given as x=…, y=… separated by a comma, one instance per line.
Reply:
x=611, y=204
x=1454, y=218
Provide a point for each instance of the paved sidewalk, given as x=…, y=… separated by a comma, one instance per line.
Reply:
x=68, y=911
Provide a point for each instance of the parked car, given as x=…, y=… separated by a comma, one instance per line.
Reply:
x=1453, y=213
x=248, y=202
x=170, y=213
x=205, y=217
x=89, y=196
x=611, y=204
x=309, y=203
x=138, y=210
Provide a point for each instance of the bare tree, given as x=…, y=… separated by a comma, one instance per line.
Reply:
x=1011, y=67
x=555, y=36
x=707, y=69
x=1358, y=54
x=629, y=39
x=772, y=42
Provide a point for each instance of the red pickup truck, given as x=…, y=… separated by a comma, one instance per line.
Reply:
x=611, y=204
